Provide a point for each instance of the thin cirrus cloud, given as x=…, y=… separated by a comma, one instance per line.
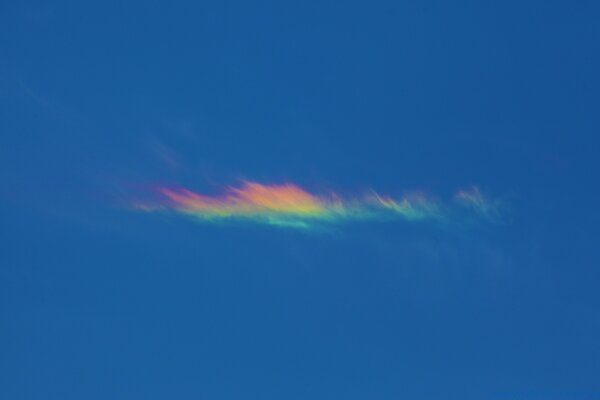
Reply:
x=289, y=205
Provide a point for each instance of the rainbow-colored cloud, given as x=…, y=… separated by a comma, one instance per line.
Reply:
x=289, y=205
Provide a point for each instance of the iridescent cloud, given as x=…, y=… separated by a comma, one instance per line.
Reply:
x=290, y=205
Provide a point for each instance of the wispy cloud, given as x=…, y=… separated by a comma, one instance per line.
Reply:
x=473, y=199
x=289, y=205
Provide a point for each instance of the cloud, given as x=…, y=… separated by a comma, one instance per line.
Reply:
x=289, y=205
x=472, y=199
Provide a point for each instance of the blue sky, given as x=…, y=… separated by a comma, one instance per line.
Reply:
x=99, y=301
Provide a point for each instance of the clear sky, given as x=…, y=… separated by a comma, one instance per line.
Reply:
x=101, y=103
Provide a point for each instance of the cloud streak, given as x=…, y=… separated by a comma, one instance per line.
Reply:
x=289, y=205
